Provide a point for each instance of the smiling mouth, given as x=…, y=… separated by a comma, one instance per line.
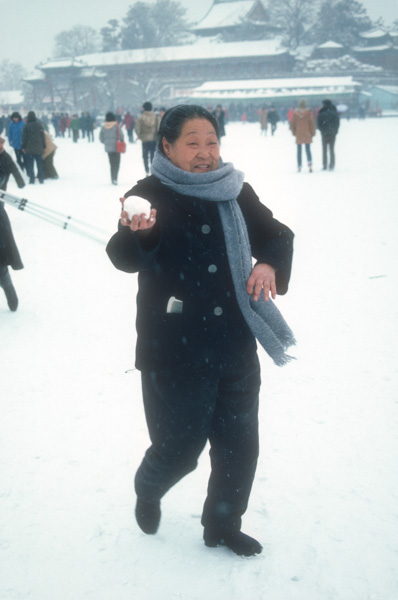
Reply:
x=202, y=166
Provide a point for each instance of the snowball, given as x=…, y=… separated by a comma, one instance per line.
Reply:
x=134, y=205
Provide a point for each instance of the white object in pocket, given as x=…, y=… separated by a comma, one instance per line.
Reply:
x=174, y=305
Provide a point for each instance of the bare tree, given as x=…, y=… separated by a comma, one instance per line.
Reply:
x=295, y=17
x=76, y=41
x=11, y=75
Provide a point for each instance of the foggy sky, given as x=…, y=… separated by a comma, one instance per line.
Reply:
x=29, y=27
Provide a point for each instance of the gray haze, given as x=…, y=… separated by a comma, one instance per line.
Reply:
x=29, y=27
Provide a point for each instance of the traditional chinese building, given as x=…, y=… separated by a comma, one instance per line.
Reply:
x=378, y=47
x=125, y=78
x=230, y=18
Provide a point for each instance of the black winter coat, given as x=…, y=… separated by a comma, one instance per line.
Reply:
x=185, y=257
x=328, y=120
x=33, y=140
x=273, y=116
x=7, y=168
x=9, y=254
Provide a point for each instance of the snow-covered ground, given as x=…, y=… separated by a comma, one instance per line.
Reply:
x=72, y=430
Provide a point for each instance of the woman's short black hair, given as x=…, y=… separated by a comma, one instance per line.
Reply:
x=110, y=117
x=174, y=118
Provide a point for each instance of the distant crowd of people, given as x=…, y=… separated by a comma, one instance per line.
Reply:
x=34, y=146
x=35, y=149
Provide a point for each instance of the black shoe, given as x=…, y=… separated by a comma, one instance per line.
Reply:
x=148, y=515
x=9, y=290
x=238, y=542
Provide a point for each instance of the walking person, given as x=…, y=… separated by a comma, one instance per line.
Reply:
x=33, y=144
x=75, y=127
x=49, y=170
x=264, y=120
x=302, y=126
x=90, y=127
x=273, y=118
x=328, y=122
x=129, y=122
x=14, y=134
x=200, y=306
x=219, y=114
x=9, y=254
x=109, y=134
x=146, y=128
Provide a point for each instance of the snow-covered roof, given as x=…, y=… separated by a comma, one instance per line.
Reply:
x=88, y=72
x=343, y=63
x=330, y=44
x=374, y=33
x=391, y=89
x=283, y=82
x=372, y=48
x=225, y=14
x=11, y=97
x=35, y=75
x=272, y=88
x=201, y=49
x=61, y=63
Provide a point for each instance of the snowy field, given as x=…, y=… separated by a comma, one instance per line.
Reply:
x=72, y=430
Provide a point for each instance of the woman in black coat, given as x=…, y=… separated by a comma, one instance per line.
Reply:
x=9, y=255
x=33, y=144
x=196, y=317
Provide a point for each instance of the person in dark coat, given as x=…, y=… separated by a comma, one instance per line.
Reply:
x=195, y=347
x=219, y=114
x=90, y=127
x=9, y=254
x=33, y=144
x=273, y=118
x=14, y=134
x=328, y=122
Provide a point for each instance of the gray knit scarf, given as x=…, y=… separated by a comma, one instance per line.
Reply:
x=223, y=186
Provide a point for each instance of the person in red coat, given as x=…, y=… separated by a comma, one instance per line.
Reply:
x=129, y=122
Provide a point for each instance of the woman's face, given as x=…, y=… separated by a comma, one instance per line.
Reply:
x=197, y=149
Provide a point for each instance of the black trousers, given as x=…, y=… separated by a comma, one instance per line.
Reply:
x=114, y=161
x=20, y=158
x=328, y=142
x=185, y=410
x=148, y=151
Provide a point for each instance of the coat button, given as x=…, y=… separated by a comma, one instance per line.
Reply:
x=206, y=228
x=212, y=268
x=218, y=311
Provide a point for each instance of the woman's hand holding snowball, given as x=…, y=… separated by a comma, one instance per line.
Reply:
x=137, y=214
